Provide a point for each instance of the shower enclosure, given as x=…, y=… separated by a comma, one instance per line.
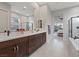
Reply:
x=73, y=25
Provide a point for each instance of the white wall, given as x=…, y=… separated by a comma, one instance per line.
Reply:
x=43, y=12
x=4, y=17
x=36, y=15
x=67, y=14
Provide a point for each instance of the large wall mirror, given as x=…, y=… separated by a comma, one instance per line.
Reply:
x=14, y=22
x=21, y=22
x=28, y=26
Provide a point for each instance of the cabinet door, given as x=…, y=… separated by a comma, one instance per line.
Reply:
x=43, y=38
x=22, y=47
x=9, y=51
x=32, y=44
x=27, y=47
x=38, y=37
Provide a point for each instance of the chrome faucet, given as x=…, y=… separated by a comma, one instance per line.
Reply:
x=8, y=33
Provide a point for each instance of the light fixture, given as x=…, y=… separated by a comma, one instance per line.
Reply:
x=24, y=7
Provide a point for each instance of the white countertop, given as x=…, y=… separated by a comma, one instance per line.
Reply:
x=14, y=35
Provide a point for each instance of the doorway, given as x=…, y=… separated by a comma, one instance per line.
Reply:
x=58, y=26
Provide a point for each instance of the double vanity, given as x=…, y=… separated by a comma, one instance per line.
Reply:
x=23, y=44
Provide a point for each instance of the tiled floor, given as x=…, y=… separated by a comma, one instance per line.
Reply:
x=56, y=47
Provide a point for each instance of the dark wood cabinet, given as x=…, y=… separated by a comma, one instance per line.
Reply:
x=35, y=41
x=21, y=49
x=8, y=51
x=23, y=46
x=16, y=47
x=43, y=38
x=32, y=44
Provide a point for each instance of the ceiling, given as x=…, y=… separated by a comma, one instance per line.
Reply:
x=19, y=6
x=59, y=5
x=23, y=8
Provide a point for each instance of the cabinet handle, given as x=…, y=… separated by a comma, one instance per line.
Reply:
x=17, y=47
x=14, y=48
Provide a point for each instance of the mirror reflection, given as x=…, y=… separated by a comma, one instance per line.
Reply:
x=19, y=22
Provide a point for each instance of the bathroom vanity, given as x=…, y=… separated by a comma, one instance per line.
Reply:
x=21, y=45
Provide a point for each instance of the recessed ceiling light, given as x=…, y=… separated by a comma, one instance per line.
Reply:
x=24, y=7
